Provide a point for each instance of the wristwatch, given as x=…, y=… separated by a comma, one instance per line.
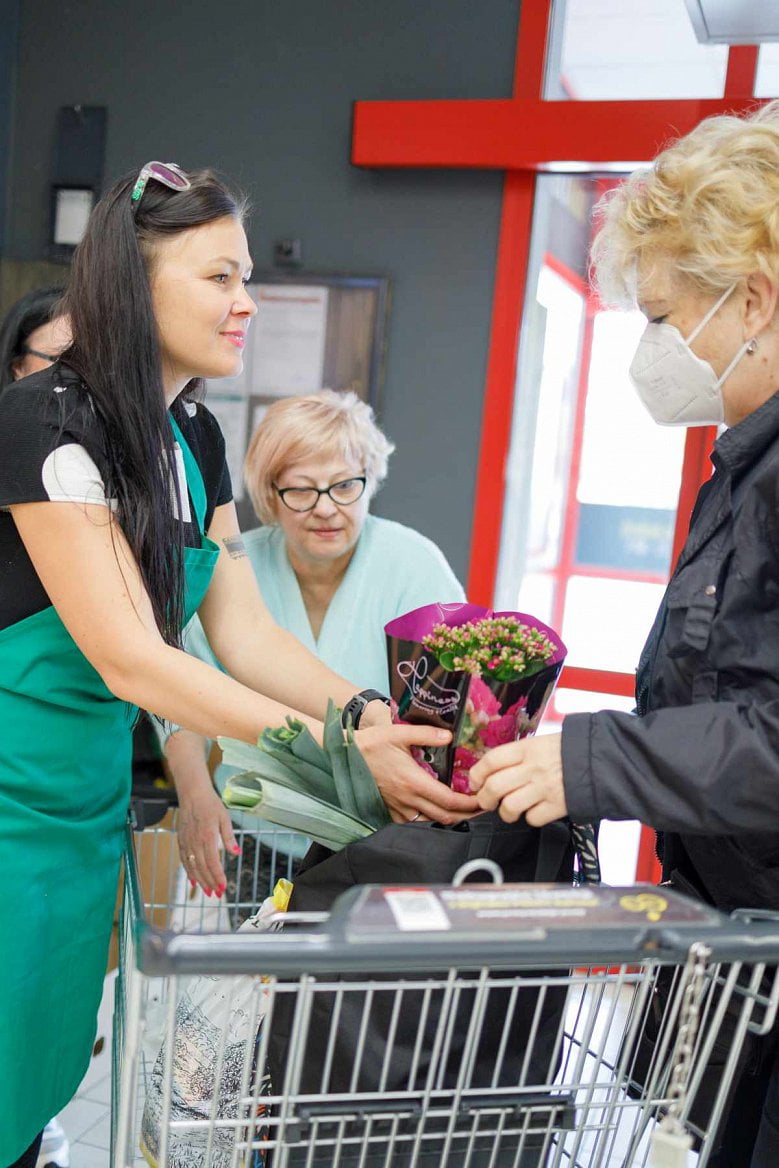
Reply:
x=355, y=707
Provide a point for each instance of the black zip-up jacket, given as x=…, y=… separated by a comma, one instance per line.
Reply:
x=700, y=762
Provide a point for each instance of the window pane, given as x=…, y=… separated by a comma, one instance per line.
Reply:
x=767, y=79
x=536, y=596
x=618, y=850
x=607, y=621
x=617, y=842
x=609, y=50
x=582, y=701
x=623, y=449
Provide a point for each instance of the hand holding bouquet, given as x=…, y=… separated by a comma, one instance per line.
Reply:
x=495, y=652
x=485, y=676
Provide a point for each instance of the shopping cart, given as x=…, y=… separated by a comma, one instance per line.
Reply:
x=478, y=1026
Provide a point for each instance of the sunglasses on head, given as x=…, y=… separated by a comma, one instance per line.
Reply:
x=167, y=173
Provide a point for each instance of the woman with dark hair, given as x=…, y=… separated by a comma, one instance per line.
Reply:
x=33, y=334
x=117, y=523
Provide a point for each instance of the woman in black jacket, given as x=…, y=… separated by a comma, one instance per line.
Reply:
x=694, y=241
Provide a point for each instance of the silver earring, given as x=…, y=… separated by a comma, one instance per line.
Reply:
x=752, y=346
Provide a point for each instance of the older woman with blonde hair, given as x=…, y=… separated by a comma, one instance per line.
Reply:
x=694, y=241
x=329, y=572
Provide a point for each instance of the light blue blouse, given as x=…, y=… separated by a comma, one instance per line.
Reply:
x=393, y=570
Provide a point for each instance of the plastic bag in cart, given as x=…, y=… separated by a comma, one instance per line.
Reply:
x=216, y=1019
x=404, y=1042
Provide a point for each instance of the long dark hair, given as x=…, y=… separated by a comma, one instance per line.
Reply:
x=115, y=350
x=24, y=317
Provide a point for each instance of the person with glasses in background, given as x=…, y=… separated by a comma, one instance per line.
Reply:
x=116, y=525
x=329, y=572
x=33, y=334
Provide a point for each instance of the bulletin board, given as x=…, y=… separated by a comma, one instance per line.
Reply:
x=311, y=331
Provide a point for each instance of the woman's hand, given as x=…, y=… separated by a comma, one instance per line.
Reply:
x=204, y=826
x=203, y=822
x=376, y=713
x=523, y=778
x=410, y=792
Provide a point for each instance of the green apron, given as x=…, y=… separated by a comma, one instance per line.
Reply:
x=65, y=771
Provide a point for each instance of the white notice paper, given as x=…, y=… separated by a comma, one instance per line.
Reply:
x=258, y=414
x=230, y=411
x=289, y=339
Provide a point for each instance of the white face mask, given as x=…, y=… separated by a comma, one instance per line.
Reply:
x=678, y=388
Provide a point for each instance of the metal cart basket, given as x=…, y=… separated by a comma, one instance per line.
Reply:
x=479, y=1026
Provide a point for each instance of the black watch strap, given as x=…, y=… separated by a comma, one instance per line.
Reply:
x=355, y=707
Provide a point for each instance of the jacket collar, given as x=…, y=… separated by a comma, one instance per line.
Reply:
x=735, y=453
x=740, y=447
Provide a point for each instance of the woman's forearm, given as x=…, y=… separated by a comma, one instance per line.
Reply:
x=277, y=664
x=183, y=690
x=185, y=754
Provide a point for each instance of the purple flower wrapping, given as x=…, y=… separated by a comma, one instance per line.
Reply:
x=481, y=712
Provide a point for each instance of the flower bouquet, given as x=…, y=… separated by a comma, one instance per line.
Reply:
x=326, y=792
x=485, y=676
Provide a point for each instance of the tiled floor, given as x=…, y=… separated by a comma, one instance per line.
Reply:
x=87, y=1117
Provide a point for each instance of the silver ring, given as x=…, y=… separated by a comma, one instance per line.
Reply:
x=191, y=857
x=415, y=817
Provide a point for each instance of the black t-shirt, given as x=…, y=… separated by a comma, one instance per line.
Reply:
x=52, y=448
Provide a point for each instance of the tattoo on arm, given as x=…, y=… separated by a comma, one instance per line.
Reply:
x=235, y=547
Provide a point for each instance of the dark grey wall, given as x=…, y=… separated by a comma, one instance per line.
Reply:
x=9, y=17
x=264, y=92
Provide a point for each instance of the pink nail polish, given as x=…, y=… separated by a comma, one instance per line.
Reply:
x=236, y=850
x=207, y=891
x=221, y=889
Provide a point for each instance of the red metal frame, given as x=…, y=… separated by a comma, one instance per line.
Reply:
x=742, y=70
x=508, y=302
x=509, y=296
x=524, y=133
x=530, y=58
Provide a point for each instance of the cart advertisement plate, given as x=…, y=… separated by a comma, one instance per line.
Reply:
x=523, y=908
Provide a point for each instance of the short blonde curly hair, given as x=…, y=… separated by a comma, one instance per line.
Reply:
x=710, y=203
x=317, y=425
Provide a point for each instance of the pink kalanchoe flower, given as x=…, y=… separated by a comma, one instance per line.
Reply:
x=461, y=782
x=464, y=759
x=476, y=717
x=484, y=700
x=506, y=728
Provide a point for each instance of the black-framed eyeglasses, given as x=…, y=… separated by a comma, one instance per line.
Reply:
x=306, y=498
x=168, y=173
x=50, y=357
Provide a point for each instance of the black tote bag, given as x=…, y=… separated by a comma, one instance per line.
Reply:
x=421, y=854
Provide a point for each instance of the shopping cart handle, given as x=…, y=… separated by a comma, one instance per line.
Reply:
x=755, y=914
